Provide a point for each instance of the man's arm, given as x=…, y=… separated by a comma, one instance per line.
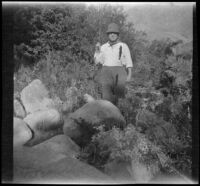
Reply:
x=129, y=63
x=129, y=74
x=98, y=56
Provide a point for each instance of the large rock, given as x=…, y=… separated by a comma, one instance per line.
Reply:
x=44, y=125
x=60, y=144
x=54, y=148
x=80, y=124
x=35, y=97
x=21, y=132
x=53, y=162
x=18, y=109
x=97, y=111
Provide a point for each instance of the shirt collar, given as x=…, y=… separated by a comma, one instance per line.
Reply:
x=115, y=43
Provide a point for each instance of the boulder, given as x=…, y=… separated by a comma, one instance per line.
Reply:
x=35, y=97
x=53, y=148
x=44, y=163
x=18, y=109
x=21, y=132
x=61, y=144
x=81, y=124
x=44, y=125
x=97, y=111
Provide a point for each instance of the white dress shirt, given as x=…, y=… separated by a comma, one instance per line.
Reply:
x=109, y=55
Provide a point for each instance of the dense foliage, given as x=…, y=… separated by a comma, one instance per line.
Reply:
x=56, y=45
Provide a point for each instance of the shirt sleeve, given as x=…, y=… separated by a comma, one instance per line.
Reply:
x=127, y=56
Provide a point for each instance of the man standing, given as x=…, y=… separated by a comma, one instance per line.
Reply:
x=115, y=58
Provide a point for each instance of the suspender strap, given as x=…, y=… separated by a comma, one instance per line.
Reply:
x=120, y=51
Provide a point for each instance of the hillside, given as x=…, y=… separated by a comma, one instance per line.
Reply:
x=163, y=21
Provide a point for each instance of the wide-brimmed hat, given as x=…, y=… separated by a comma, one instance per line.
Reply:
x=112, y=28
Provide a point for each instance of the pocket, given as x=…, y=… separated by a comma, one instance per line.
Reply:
x=122, y=75
x=106, y=76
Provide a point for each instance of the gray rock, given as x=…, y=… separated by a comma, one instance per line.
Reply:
x=44, y=125
x=61, y=144
x=36, y=97
x=44, y=163
x=97, y=111
x=80, y=123
x=18, y=109
x=21, y=132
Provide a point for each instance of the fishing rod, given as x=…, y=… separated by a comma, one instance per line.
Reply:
x=98, y=44
x=99, y=24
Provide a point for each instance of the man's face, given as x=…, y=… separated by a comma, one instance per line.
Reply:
x=113, y=36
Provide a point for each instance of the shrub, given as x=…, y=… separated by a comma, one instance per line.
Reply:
x=126, y=145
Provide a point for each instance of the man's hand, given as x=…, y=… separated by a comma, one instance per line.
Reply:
x=97, y=53
x=128, y=79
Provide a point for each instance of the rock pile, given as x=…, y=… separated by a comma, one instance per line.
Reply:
x=35, y=116
x=41, y=151
x=40, y=114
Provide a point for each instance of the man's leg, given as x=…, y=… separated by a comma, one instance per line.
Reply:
x=120, y=88
x=107, y=93
x=107, y=85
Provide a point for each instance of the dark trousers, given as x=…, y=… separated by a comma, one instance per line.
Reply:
x=113, y=80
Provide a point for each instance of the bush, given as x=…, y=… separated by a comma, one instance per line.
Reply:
x=118, y=145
